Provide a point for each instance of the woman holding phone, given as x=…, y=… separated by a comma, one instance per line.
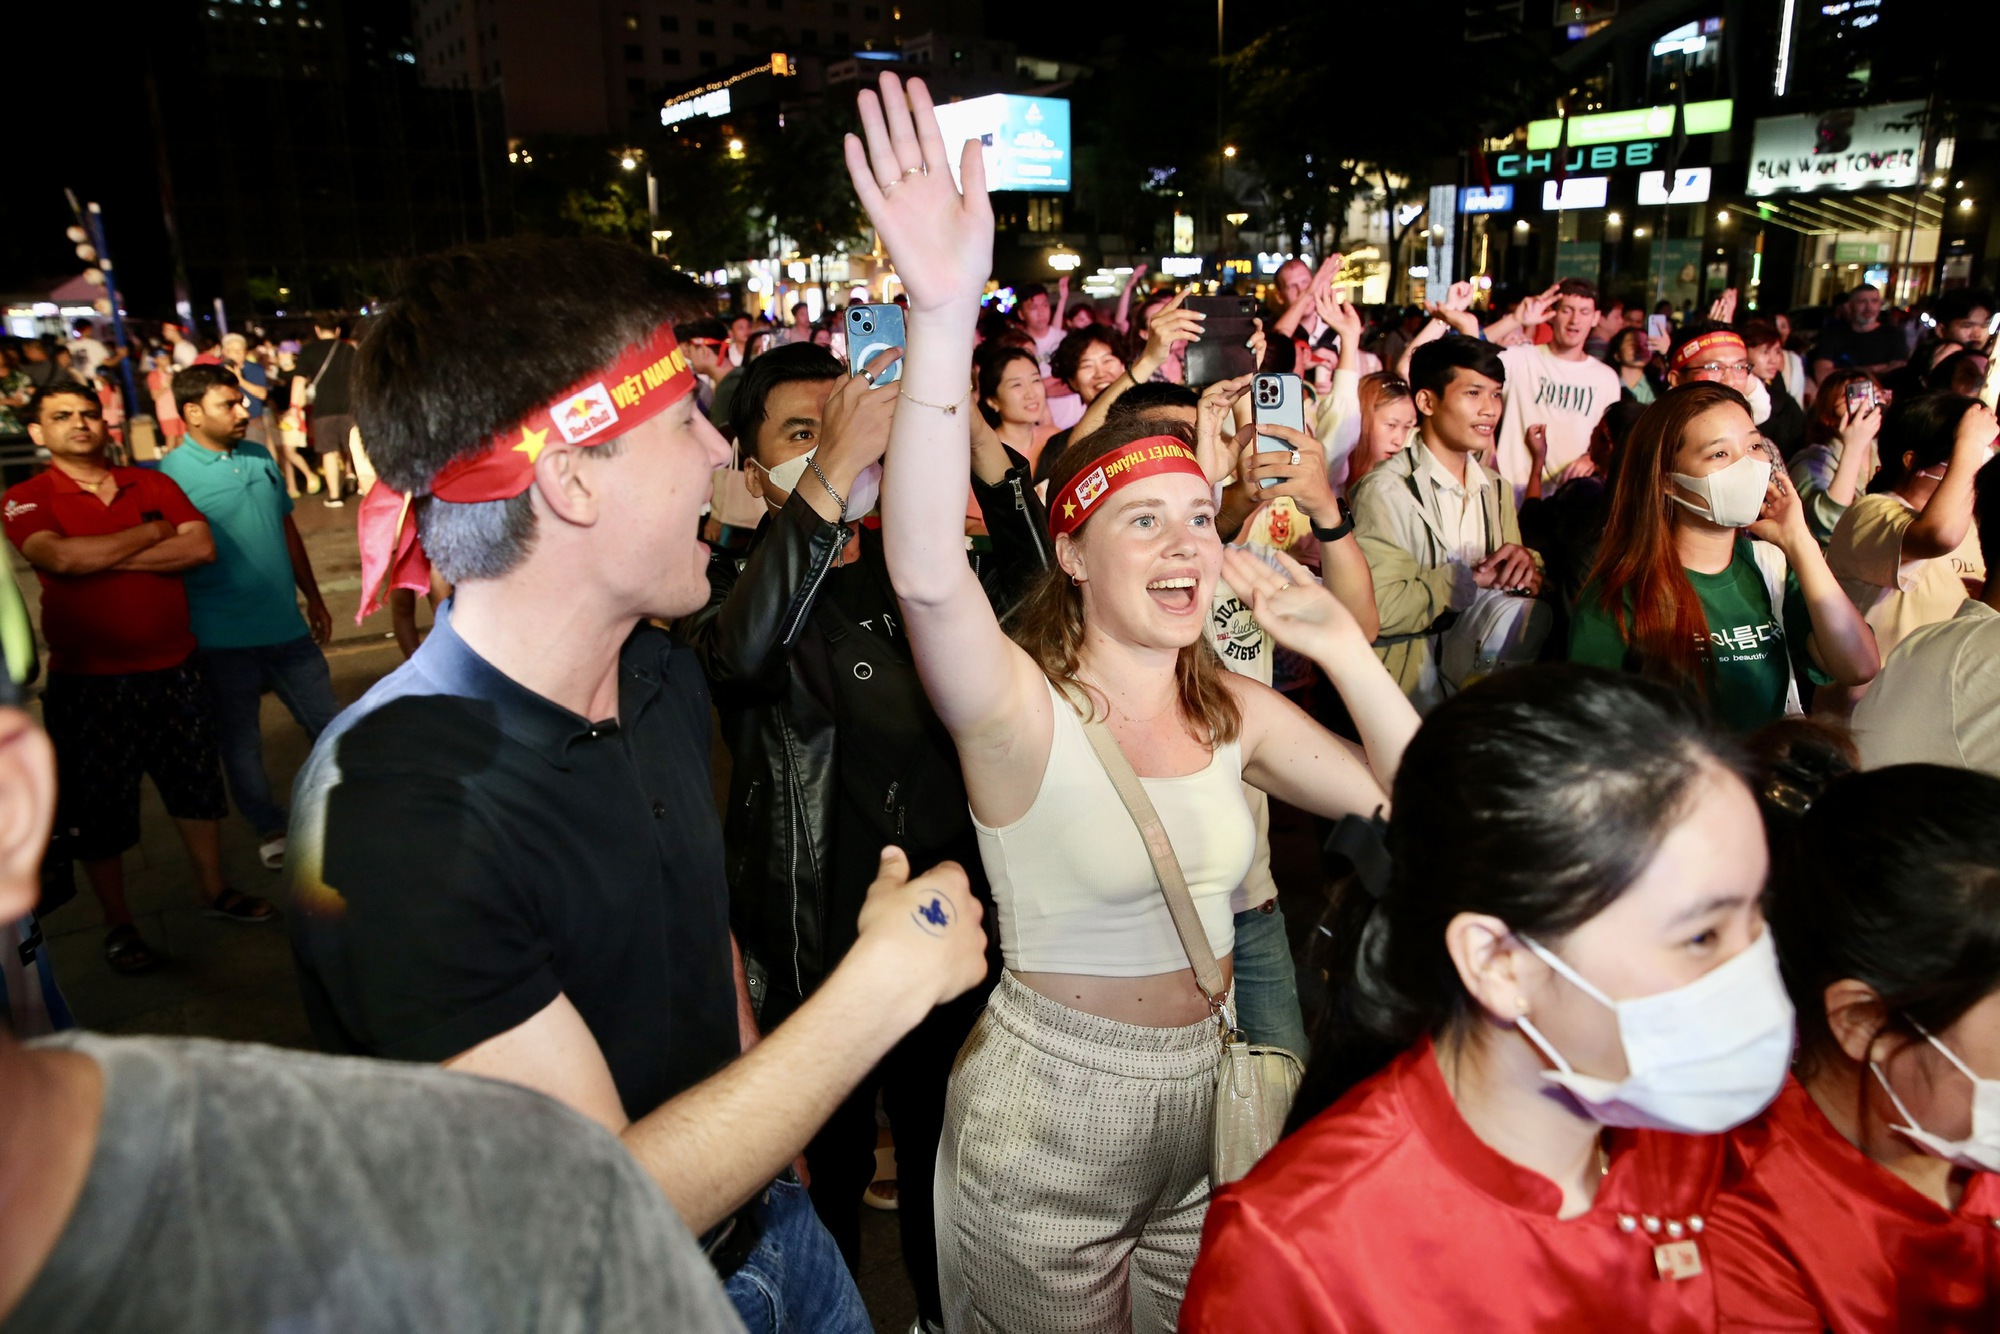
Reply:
x=1567, y=961
x=1866, y=1198
x=1073, y=1173
x=1707, y=577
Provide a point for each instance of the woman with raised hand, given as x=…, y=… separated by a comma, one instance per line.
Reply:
x=1866, y=1198
x=1564, y=963
x=1708, y=577
x=1073, y=1173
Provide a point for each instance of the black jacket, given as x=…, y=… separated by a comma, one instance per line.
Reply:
x=792, y=675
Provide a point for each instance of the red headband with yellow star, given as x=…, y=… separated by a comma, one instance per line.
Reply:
x=645, y=380
x=1149, y=457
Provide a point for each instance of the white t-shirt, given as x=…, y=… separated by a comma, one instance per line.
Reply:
x=1937, y=699
x=1045, y=346
x=88, y=354
x=1895, y=596
x=1545, y=390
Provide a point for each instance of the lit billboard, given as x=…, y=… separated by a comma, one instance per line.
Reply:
x=1025, y=140
x=1855, y=148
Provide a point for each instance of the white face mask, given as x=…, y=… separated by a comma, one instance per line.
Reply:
x=1735, y=494
x=1979, y=1151
x=1703, y=1058
x=860, y=500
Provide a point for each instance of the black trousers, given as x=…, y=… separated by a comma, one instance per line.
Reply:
x=911, y=1080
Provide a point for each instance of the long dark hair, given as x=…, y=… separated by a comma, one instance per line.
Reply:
x=1537, y=796
x=1893, y=879
x=1638, y=563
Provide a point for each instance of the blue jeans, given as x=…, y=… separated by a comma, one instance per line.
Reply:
x=297, y=671
x=1267, y=986
x=795, y=1281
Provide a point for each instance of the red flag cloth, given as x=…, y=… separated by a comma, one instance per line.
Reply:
x=1149, y=457
x=645, y=380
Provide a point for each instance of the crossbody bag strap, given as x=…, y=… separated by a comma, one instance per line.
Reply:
x=1167, y=866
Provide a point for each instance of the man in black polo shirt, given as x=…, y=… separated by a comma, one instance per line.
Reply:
x=506, y=856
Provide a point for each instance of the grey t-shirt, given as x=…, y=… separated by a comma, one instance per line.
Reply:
x=237, y=1187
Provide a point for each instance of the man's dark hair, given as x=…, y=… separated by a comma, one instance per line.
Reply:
x=799, y=306
x=326, y=319
x=781, y=365
x=477, y=339
x=1959, y=303
x=1577, y=287
x=1433, y=365
x=1062, y=362
x=1865, y=287
x=32, y=411
x=713, y=330
x=1757, y=332
x=1146, y=399
x=192, y=385
x=1027, y=292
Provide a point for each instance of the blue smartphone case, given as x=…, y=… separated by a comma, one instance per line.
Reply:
x=871, y=329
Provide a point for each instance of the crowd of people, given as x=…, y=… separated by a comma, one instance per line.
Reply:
x=1642, y=674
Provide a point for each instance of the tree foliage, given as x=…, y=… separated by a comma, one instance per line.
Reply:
x=1341, y=98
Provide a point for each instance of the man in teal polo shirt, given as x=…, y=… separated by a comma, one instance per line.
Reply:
x=245, y=611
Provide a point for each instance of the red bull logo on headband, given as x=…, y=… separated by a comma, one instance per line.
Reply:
x=586, y=414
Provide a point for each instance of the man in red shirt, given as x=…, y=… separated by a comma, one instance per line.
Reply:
x=123, y=696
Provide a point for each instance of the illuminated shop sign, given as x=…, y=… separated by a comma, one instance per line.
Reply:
x=707, y=104
x=1604, y=157
x=1855, y=148
x=1617, y=127
x=1472, y=199
x=1577, y=192
x=1691, y=186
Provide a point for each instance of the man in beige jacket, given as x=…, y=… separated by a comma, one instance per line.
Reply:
x=1457, y=592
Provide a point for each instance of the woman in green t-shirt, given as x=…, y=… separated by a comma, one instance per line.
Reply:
x=1708, y=576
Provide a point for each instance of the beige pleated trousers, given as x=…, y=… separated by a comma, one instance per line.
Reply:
x=1072, y=1177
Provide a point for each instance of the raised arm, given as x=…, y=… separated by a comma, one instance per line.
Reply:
x=1841, y=642
x=1122, y=321
x=1947, y=516
x=1287, y=754
x=1170, y=324
x=988, y=693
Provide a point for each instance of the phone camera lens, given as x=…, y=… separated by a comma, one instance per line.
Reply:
x=867, y=327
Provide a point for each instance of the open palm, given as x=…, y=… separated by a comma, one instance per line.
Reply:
x=941, y=240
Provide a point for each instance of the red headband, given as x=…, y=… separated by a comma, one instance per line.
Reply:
x=644, y=381
x=1694, y=347
x=1149, y=457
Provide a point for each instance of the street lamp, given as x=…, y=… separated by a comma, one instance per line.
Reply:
x=628, y=162
x=736, y=148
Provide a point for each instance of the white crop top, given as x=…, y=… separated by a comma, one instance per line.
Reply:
x=1071, y=878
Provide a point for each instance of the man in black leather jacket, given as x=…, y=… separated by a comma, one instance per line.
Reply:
x=835, y=748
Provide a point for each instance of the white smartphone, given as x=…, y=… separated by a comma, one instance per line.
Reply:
x=1277, y=399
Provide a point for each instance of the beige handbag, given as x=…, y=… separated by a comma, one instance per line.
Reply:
x=1254, y=1085
x=729, y=500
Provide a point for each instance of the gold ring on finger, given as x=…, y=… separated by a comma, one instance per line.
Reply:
x=919, y=170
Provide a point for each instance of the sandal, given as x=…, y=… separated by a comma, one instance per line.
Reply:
x=236, y=906
x=127, y=952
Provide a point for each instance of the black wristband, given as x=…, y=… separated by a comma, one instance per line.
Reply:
x=1339, y=530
